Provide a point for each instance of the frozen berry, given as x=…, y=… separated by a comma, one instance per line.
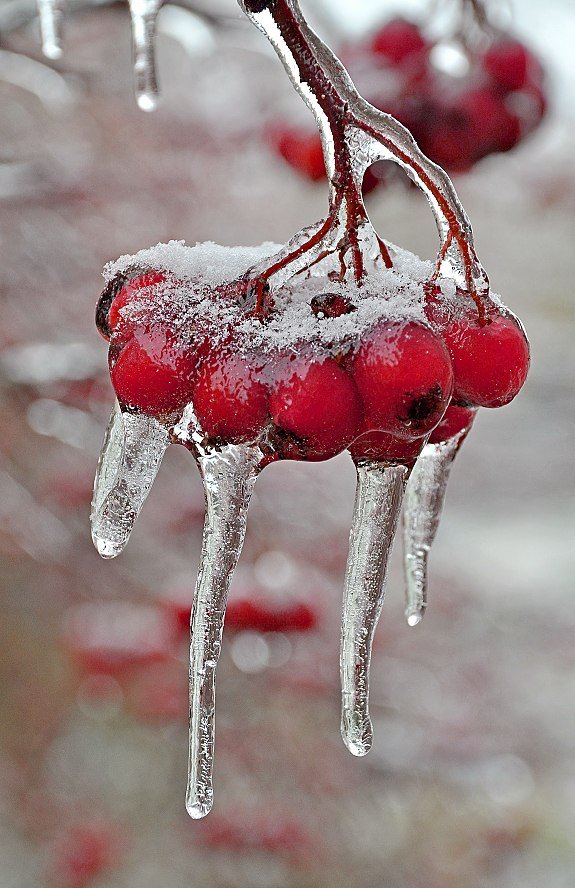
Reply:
x=398, y=41
x=231, y=397
x=457, y=419
x=381, y=446
x=153, y=371
x=317, y=402
x=138, y=289
x=490, y=362
x=404, y=375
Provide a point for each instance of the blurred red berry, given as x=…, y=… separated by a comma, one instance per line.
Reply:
x=398, y=41
x=510, y=64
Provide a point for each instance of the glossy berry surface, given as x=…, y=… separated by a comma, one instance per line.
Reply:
x=317, y=402
x=404, y=375
x=230, y=398
x=456, y=420
x=152, y=371
x=490, y=361
x=382, y=446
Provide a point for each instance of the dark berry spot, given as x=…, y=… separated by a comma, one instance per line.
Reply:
x=423, y=406
x=331, y=305
x=108, y=295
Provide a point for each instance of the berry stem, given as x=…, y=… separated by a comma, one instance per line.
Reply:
x=355, y=135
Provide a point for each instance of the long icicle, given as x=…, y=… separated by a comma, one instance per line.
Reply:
x=379, y=494
x=229, y=477
x=424, y=500
x=144, y=14
x=51, y=14
x=133, y=448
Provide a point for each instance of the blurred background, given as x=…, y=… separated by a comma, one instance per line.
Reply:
x=471, y=781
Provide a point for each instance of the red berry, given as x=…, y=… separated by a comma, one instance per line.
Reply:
x=490, y=362
x=244, y=613
x=231, y=398
x=492, y=127
x=318, y=403
x=381, y=446
x=138, y=289
x=302, y=150
x=399, y=41
x=511, y=65
x=153, y=371
x=404, y=375
x=457, y=419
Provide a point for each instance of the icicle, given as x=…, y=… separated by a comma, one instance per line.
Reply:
x=378, y=499
x=424, y=500
x=229, y=477
x=132, y=451
x=144, y=14
x=51, y=13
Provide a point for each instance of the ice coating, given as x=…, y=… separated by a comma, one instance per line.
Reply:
x=396, y=292
x=132, y=452
x=423, y=505
x=369, y=135
x=51, y=14
x=378, y=499
x=144, y=14
x=229, y=477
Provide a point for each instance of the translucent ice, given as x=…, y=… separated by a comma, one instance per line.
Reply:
x=424, y=500
x=132, y=451
x=229, y=477
x=144, y=14
x=370, y=135
x=378, y=500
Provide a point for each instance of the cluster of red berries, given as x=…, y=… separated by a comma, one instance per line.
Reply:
x=456, y=120
x=380, y=395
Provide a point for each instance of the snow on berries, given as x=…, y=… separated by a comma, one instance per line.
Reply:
x=321, y=369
